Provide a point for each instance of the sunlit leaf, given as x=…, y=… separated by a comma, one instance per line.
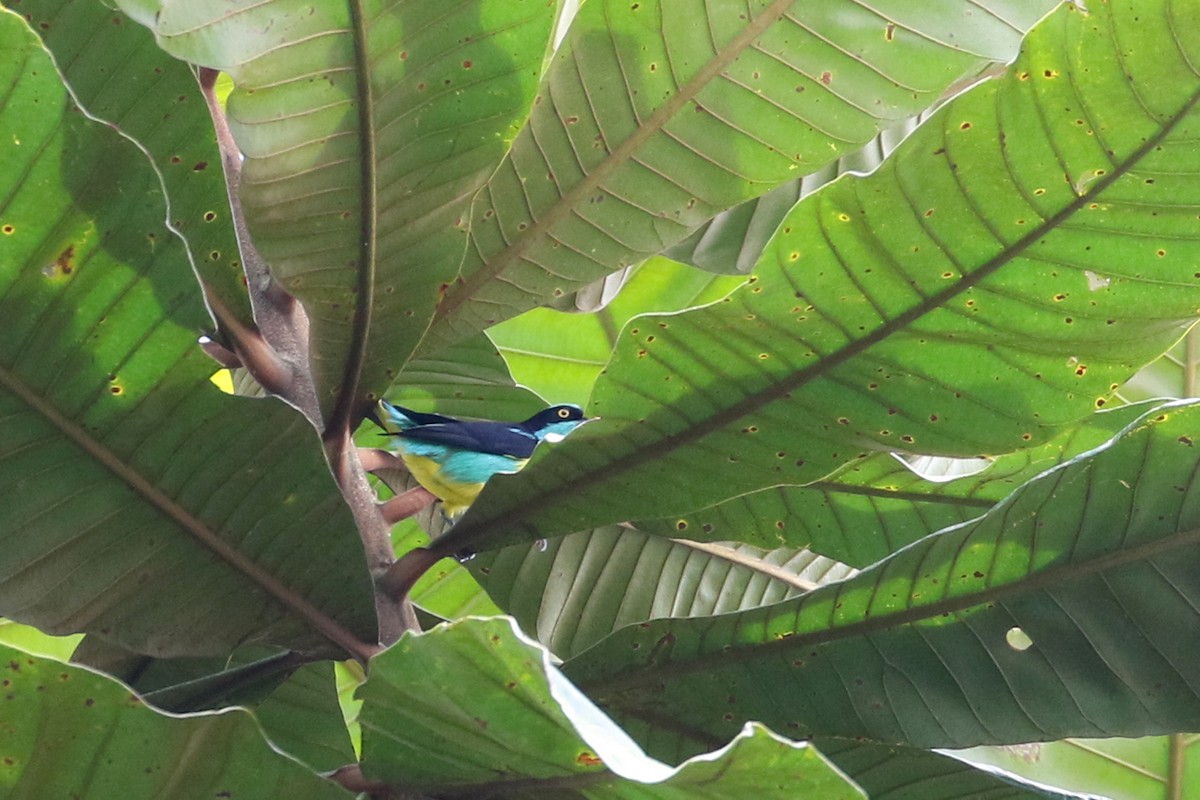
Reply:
x=654, y=117
x=366, y=128
x=949, y=304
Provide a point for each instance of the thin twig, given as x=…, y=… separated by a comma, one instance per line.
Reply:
x=373, y=459
x=403, y=506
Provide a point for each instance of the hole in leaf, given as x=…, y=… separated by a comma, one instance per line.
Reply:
x=1018, y=640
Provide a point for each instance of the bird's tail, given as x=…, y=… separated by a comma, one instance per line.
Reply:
x=394, y=418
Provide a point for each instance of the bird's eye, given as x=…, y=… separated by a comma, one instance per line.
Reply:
x=564, y=413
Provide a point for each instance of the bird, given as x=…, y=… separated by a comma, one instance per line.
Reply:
x=453, y=459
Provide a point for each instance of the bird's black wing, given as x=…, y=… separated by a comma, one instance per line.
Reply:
x=494, y=438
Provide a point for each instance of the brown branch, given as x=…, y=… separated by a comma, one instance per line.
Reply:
x=403, y=506
x=251, y=351
x=395, y=613
x=401, y=576
x=351, y=778
x=374, y=459
x=217, y=352
x=275, y=351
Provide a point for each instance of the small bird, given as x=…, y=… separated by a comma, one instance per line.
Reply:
x=454, y=459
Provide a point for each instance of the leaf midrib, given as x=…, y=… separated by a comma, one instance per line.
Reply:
x=1055, y=576
x=466, y=534
x=364, y=292
x=463, y=291
x=185, y=519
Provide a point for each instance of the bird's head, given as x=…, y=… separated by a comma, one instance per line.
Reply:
x=553, y=424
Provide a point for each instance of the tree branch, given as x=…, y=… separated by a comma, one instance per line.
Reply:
x=401, y=576
x=276, y=352
x=403, y=506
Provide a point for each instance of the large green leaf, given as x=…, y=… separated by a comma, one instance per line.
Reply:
x=474, y=708
x=366, y=128
x=125, y=512
x=85, y=735
x=904, y=773
x=470, y=379
x=733, y=241
x=656, y=116
x=155, y=101
x=573, y=591
x=878, y=505
x=1147, y=768
x=1019, y=256
x=303, y=719
x=1068, y=610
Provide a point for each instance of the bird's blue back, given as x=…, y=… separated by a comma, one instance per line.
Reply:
x=472, y=452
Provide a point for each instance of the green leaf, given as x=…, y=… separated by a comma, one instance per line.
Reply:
x=571, y=592
x=656, y=116
x=124, y=514
x=366, y=128
x=905, y=773
x=559, y=355
x=156, y=103
x=29, y=639
x=733, y=241
x=303, y=719
x=1121, y=769
x=470, y=379
x=1068, y=610
x=182, y=685
x=107, y=743
x=1004, y=271
x=878, y=505
x=474, y=707
x=295, y=703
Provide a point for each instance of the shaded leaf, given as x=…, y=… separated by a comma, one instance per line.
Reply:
x=296, y=703
x=876, y=506
x=123, y=507
x=901, y=312
x=107, y=743
x=182, y=685
x=429, y=725
x=571, y=592
x=1068, y=610
x=303, y=719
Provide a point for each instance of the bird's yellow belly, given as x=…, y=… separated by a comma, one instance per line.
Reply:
x=455, y=496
